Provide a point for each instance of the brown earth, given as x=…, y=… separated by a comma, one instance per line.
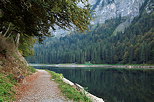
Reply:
x=11, y=60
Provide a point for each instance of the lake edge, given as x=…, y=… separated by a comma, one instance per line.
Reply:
x=98, y=66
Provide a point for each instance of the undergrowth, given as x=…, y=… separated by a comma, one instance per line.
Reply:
x=7, y=93
x=68, y=90
x=7, y=83
x=32, y=69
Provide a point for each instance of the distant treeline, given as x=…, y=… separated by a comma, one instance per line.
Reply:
x=135, y=45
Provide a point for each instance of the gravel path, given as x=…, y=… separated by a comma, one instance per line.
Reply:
x=39, y=88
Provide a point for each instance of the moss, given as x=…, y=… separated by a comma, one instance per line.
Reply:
x=68, y=90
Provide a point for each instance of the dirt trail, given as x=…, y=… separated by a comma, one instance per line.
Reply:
x=39, y=88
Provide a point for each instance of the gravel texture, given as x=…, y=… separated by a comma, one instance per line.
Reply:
x=39, y=88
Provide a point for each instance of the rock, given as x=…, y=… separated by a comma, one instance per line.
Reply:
x=94, y=98
x=67, y=81
x=79, y=87
x=107, y=9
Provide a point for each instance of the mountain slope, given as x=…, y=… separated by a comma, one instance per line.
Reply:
x=107, y=9
x=134, y=45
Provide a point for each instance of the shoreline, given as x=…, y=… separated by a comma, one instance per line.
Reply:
x=59, y=77
x=98, y=66
x=81, y=89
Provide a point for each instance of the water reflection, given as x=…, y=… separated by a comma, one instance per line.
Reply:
x=113, y=85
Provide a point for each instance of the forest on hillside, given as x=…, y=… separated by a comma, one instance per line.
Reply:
x=102, y=44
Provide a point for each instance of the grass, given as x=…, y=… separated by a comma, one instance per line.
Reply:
x=32, y=69
x=7, y=93
x=69, y=91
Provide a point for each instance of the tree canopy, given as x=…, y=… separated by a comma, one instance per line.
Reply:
x=36, y=17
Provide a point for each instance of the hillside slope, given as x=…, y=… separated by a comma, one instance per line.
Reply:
x=12, y=63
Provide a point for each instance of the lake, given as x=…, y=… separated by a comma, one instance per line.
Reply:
x=113, y=84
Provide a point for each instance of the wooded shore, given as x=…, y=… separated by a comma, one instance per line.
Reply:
x=102, y=66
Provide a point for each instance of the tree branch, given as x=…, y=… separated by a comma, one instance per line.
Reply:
x=7, y=30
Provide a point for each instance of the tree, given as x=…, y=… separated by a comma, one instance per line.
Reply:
x=36, y=17
x=26, y=45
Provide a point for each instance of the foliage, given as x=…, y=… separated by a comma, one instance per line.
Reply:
x=68, y=90
x=23, y=21
x=26, y=45
x=6, y=88
x=36, y=17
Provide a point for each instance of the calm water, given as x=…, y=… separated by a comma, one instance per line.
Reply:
x=113, y=85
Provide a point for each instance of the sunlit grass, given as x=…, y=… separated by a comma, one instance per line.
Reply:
x=68, y=90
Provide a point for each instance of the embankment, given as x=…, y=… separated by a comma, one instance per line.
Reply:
x=12, y=64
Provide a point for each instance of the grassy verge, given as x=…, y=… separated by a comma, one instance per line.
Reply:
x=7, y=93
x=32, y=69
x=68, y=90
